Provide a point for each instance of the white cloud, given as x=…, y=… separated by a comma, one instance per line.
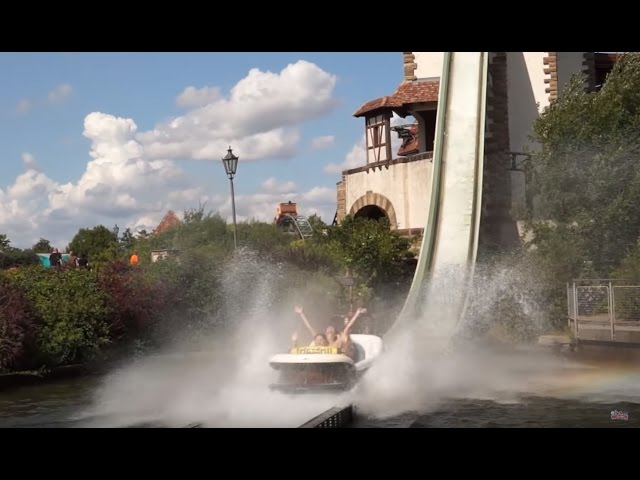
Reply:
x=30, y=161
x=132, y=178
x=24, y=106
x=271, y=185
x=321, y=195
x=357, y=157
x=320, y=143
x=197, y=97
x=257, y=118
x=262, y=206
x=60, y=93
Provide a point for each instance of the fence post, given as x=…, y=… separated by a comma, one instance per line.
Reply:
x=613, y=312
x=577, y=310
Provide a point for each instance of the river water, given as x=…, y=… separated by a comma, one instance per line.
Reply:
x=172, y=393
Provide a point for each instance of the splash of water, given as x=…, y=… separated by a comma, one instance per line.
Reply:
x=435, y=356
x=227, y=385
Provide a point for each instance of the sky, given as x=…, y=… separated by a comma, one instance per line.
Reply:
x=120, y=138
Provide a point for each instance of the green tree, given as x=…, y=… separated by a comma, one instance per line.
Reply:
x=5, y=243
x=369, y=249
x=42, y=246
x=585, y=180
x=71, y=313
x=629, y=268
x=98, y=243
x=14, y=257
x=127, y=240
x=317, y=223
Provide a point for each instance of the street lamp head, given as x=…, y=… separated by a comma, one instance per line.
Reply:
x=230, y=162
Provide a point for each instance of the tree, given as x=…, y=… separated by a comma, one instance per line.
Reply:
x=43, y=245
x=586, y=177
x=127, y=240
x=374, y=253
x=98, y=243
x=316, y=223
x=5, y=243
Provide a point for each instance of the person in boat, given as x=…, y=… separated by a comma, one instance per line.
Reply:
x=330, y=334
x=344, y=342
x=319, y=340
x=340, y=340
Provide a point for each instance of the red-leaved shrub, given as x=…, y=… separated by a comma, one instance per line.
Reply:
x=134, y=300
x=17, y=330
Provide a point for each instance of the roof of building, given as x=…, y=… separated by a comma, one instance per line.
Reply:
x=410, y=144
x=408, y=93
x=169, y=221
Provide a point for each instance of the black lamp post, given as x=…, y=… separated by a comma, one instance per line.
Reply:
x=230, y=162
x=349, y=281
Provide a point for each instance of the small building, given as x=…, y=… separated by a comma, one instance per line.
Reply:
x=162, y=254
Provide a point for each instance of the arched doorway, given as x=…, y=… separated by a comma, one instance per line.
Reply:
x=374, y=206
x=372, y=212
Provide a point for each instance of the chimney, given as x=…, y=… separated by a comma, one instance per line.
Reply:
x=409, y=66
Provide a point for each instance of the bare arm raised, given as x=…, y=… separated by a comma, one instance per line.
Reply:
x=300, y=312
x=353, y=320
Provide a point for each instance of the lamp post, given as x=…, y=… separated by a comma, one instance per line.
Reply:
x=230, y=162
x=349, y=281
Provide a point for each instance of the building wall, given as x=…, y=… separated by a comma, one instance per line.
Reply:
x=406, y=185
x=569, y=63
x=498, y=230
x=429, y=64
x=522, y=84
x=527, y=95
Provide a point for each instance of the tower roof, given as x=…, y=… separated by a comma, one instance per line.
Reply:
x=407, y=93
x=169, y=221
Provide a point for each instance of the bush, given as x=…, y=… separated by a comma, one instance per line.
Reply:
x=71, y=312
x=17, y=258
x=16, y=327
x=134, y=301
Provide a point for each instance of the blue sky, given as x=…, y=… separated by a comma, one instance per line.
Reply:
x=120, y=138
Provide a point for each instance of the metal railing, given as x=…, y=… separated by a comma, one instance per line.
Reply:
x=336, y=417
x=604, y=310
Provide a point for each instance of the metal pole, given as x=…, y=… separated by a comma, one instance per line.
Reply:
x=612, y=311
x=575, y=302
x=233, y=210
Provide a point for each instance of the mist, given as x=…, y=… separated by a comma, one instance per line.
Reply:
x=220, y=379
x=490, y=354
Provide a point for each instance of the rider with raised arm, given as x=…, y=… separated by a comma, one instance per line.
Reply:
x=344, y=339
x=331, y=338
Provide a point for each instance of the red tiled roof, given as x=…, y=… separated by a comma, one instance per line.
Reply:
x=169, y=221
x=407, y=93
x=370, y=106
x=410, y=145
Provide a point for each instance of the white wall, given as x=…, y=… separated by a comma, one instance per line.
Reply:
x=568, y=64
x=406, y=185
x=526, y=87
x=429, y=64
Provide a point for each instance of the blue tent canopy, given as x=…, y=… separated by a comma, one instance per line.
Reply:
x=44, y=258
